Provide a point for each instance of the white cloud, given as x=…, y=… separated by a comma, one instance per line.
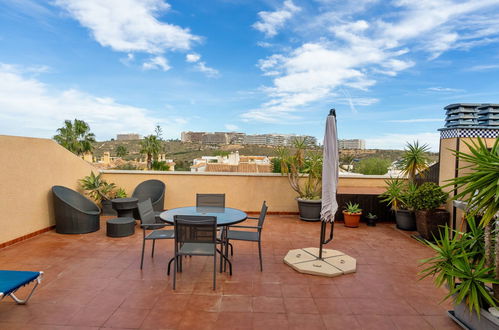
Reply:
x=419, y=120
x=157, y=62
x=130, y=25
x=271, y=21
x=399, y=141
x=210, y=72
x=444, y=89
x=485, y=67
x=30, y=105
x=231, y=127
x=192, y=58
x=349, y=52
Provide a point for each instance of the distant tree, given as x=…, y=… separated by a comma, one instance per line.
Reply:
x=150, y=146
x=373, y=166
x=158, y=131
x=75, y=136
x=222, y=153
x=275, y=164
x=159, y=166
x=121, y=151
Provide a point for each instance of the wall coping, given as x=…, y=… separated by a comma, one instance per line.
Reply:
x=347, y=176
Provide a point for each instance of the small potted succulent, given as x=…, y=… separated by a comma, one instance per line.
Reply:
x=352, y=214
x=371, y=219
x=429, y=218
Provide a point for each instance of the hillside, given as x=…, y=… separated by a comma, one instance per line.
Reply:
x=183, y=153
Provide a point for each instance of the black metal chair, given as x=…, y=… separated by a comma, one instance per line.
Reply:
x=252, y=236
x=149, y=223
x=210, y=200
x=151, y=189
x=74, y=213
x=195, y=236
x=213, y=200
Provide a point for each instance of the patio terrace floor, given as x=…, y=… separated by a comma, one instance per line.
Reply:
x=93, y=281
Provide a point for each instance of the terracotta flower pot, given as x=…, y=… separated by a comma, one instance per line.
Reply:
x=351, y=219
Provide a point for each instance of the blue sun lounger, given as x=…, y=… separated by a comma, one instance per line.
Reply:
x=12, y=280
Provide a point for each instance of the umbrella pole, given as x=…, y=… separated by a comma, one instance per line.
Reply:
x=323, y=233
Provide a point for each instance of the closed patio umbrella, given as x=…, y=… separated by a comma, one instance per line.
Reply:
x=319, y=261
x=329, y=177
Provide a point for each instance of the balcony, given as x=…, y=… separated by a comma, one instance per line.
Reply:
x=94, y=281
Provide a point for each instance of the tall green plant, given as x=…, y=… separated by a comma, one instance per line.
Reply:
x=150, y=146
x=479, y=187
x=303, y=168
x=414, y=160
x=121, y=151
x=460, y=264
x=75, y=136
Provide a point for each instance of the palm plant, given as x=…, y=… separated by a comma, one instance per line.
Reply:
x=150, y=146
x=303, y=168
x=414, y=160
x=75, y=136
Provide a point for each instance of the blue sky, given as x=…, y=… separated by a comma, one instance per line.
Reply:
x=388, y=67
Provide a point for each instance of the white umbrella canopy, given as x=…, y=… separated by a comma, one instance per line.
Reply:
x=330, y=169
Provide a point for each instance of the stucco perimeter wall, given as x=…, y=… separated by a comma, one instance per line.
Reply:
x=243, y=191
x=29, y=169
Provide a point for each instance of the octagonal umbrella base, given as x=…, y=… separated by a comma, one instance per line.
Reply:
x=333, y=262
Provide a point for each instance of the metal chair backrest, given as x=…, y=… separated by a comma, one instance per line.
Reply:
x=263, y=213
x=146, y=212
x=210, y=200
x=195, y=229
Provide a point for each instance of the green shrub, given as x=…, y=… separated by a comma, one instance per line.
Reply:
x=373, y=166
x=429, y=196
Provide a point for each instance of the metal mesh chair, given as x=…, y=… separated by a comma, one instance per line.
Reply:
x=151, y=189
x=210, y=200
x=74, y=213
x=148, y=223
x=195, y=236
x=255, y=235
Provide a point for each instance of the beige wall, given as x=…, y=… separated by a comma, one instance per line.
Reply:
x=30, y=167
x=244, y=192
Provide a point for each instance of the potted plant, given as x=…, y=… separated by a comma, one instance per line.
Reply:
x=100, y=191
x=427, y=198
x=351, y=215
x=303, y=167
x=468, y=262
x=399, y=195
x=371, y=219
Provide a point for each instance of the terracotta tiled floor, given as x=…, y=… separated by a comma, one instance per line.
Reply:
x=92, y=281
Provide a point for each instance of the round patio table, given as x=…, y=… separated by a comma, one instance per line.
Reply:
x=125, y=206
x=226, y=216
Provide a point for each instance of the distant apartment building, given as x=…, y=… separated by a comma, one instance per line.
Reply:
x=241, y=138
x=352, y=144
x=128, y=137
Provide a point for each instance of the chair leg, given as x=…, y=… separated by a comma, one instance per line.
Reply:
x=214, y=271
x=227, y=260
x=260, y=255
x=153, y=244
x=175, y=272
x=231, y=248
x=142, y=257
x=169, y=264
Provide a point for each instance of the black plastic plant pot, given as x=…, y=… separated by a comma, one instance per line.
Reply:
x=371, y=222
x=406, y=220
x=107, y=208
x=310, y=210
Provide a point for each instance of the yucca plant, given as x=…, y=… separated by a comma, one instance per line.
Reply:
x=479, y=187
x=303, y=168
x=414, y=160
x=352, y=208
